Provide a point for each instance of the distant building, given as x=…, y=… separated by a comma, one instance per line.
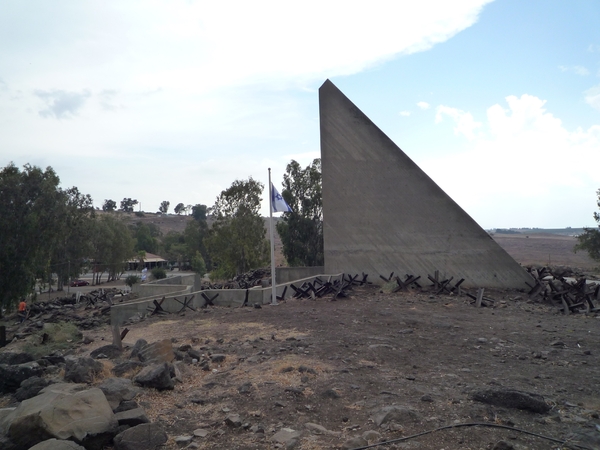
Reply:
x=150, y=262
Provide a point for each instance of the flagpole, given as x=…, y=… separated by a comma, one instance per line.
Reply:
x=273, y=282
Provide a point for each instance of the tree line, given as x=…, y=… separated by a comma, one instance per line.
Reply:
x=51, y=235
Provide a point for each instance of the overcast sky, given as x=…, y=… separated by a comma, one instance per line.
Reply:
x=499, y=102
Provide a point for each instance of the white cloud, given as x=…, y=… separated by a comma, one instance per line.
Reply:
x=525, y=159
x=579, y=70
x=404, y=113
x=62, y=104
x=423, y=105
x=592, y=97
x=465, y=124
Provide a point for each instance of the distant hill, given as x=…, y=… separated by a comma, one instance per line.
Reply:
x=559, y=231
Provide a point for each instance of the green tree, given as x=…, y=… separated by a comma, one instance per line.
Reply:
x=73, y=245
x=301, y=231
x=180, y=208
x=198, y=264
x=112, y=247
x=30, y=205
x=164, y=206
x=127, y=204
x=146, y=236
x=199, y=212
x=109, y=205
x=589, y=240
x=194, y=235
x=236, y=242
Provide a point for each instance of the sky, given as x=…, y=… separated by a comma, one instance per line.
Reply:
x=497, y=101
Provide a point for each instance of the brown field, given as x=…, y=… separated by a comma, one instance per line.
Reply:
x=545, y=250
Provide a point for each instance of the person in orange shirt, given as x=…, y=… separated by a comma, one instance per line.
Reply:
x=23, y=310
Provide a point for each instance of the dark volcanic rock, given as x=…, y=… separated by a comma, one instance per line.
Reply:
x=12, y=358
x=11, y=377
x=110, y=351
x=121, y=369
x=509, y=398
x=118, y=389
x=30, y=388
x=157, y=376
x=82, y=370
x=147, y=436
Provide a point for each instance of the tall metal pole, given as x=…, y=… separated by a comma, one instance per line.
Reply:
x=273, y=282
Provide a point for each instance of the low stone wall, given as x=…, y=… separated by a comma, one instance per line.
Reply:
x=289, y=274
x=226, y=297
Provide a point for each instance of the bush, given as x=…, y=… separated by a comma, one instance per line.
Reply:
x=159, y=273
x=131, y=280
x=198, y=264
x=54, y=336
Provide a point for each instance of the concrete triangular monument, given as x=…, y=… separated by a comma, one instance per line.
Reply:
x=383, y=214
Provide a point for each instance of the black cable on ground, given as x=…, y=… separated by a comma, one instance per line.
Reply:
x=475, y=424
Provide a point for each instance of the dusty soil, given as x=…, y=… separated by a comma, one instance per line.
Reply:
x=545, y=250
x=376, y=349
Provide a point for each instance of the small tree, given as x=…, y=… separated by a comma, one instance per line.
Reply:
x=198, y=264
x=164, y=206
x=589, y=240
x=127, y=204
x=236, y=242
x=109, y=205
x=131, y=280
x=180, y=208
x=301, y=230
x=199, y=212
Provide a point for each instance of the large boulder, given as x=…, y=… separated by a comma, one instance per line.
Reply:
x=12, y=358
x=63, y=412
x=55, y=444
x=30, y=388
x=127, y=366
x=109, y=351
x=157, y=352
x=82, y=370
x=511, y=398
x=11, y=376
x=157, y=376
x=118, y=389
x=147, y=436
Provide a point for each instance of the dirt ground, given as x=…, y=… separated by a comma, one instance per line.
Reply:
x=374, y=349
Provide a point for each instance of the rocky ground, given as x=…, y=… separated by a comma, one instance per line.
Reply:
x=374, y=367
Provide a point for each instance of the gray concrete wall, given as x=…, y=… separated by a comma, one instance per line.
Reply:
x=121, y=312
x=154, y=289
x=383, y=214
x=186, y=279
x=287, y=274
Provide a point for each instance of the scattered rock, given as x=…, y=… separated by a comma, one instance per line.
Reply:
x=330, y=393
x=427, y=398
x=183, y=440
x=11, y=376
x=147, y=436
x=13, y=358
x=233, y=420
x=30, y=388
x=157, y=376
x=157, y=352
x=63, y=413
x=57, y=444
x=509, y=398
x=287, y=437
x=217, y=358
x=201, y=432
x=126, y=406
x=394, y=413
x=137, y=347
x=371, y=436
x=82, y=370
x=118, y=389
x=245, y=388
x=109, y=351
x=128, y=366
x=503, y=445
x=356, y=442
x=87, y=340
x=132, y=417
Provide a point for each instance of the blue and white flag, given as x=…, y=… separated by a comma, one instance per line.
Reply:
x=278, y=204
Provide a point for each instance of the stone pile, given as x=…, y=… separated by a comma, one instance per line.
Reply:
x=54, y=414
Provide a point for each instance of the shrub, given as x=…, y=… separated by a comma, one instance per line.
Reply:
x=159, y=273
x=131, y=280
x=54, y=336
x=198, y=264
